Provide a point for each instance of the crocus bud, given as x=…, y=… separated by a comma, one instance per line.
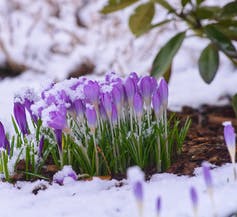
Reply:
x=92, y=91
x=158, y=206
x=138, y=105
x=79, y=108
x=156, y=104
x=4, y=143
x=27, y=104
x=67, y=173
x=138, y=191
x=57, y=118
x=107, y=103
x=146, y=89
x=207, y=175
x=230, y=139
x=130, y=90
x=163, y=88
x=117, y=97
x=194, y=198
x=114, y=115
x=20, y=116
x=91, y=117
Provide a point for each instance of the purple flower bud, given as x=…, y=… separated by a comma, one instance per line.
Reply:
x=20, y=116
x=138, y=104
x=58, y=118
x=156, y=103
x=114, y=115
x=194, y=197
x=163, y=88
x=117, y=97
x=92, y=91
x=66, y=172
x=158, y=205
x=41, y=146
x=107, y=103
x=91, y=116
x=4, y=143
x=134, y=77
x=27, y=104
x=207, y=175
x=229, y=135
x=138, y=191
x=130, y=89
x=146, y=87
x=103, y=114
x=59, y=135
x=79, y=107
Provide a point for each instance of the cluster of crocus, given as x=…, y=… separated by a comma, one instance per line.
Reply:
x=97, y=127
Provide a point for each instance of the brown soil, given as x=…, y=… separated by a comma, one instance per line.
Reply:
x=205, y=141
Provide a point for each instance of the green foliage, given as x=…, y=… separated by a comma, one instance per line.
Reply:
x=234, y=104
x=217, y=24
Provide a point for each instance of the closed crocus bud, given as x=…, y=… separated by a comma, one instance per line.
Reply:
x=138, y=191
x=158, y=206
x=156, y=104
x=91, y=117
x=230, y=139
x=41, y=146
x=146, y=89
x=134, y=77
x=92, y=91
x=27, y=104
x=102, y=111
x=207, y=175
x=130, y=90
x=138, y=105
x=20, y=116
x=117, y=97
x=79, y=108
x=107, y=103
x=114, y=115
x=163, y=88
x=4, y=143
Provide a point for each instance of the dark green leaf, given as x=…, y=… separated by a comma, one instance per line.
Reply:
x=165, y=4
x=198, y=2
x=221, y=40
x=208, y=63
x=230, y=9
x=234, y=104
x=115, y=5
x=207, y=12
x=140, y=20
x=166, y=54
x=184, y=2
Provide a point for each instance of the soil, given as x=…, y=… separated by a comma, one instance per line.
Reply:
x=205, y=141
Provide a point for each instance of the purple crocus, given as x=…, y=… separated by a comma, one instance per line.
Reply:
x=66, y=173
x=4, y=143
x=27, y=104
x=57, y=118
x=117, y=97
x=20, y=117
x=194, y=197
x=138, y=105
x=91, y=117
x=207, y=175
x=146, y=89
x=107, y=103
x=158, y=206
x=130, y=89
x=163, y=88
x=114, y=115
x=156, y=104
x=79, y=108
x=92, y=91
x=138, y=191
x=41, y=146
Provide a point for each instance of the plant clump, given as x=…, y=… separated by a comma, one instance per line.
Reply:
x=97, y=127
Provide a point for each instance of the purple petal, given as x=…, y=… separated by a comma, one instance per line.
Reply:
x=138, y=104
x=107, y=103
x=146, y=86
x=114, y=114
x=138, y=191
x=207, y=175
x=20, y=116
x=158, y=205
x=91, y=116
x=130, y=89
x=194, y=196
x=2, y=135
x=163, y=88
x=156, y=102
x=92, y=91
x=229, y=135
x=57, y=118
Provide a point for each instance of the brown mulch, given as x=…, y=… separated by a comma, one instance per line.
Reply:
x=205, y=141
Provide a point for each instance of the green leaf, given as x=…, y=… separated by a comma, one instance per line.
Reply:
x=115, y=5
x=229, y=10
x=165, y=5
x=198, y=2
x=207, y=12
x=208, y=63
x=163, y=60
x=221, y=40
x=234, y=104
x=140, y=20
x=184, y=2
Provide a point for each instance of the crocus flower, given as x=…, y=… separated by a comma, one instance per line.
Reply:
x=114, y=115
x=92, y=91
x=4, y=143
x=20, y=116
x=27, y=104
x=158, y=206
x=57, y=118
x=138, y=105
x=156, y=104
x=107, y=103
x=41, y=146
x=79, y=108
x=66, y=173
x=230, y=140
x=194, y=199
x=207, y=175
x=146, y=89
x=91, y=117
x=117, y=97
x=163, y=88
x=130, y=89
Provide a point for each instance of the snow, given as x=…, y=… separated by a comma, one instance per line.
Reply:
x=111, y=49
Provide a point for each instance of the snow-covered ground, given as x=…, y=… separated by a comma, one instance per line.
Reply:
x=117, y=51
